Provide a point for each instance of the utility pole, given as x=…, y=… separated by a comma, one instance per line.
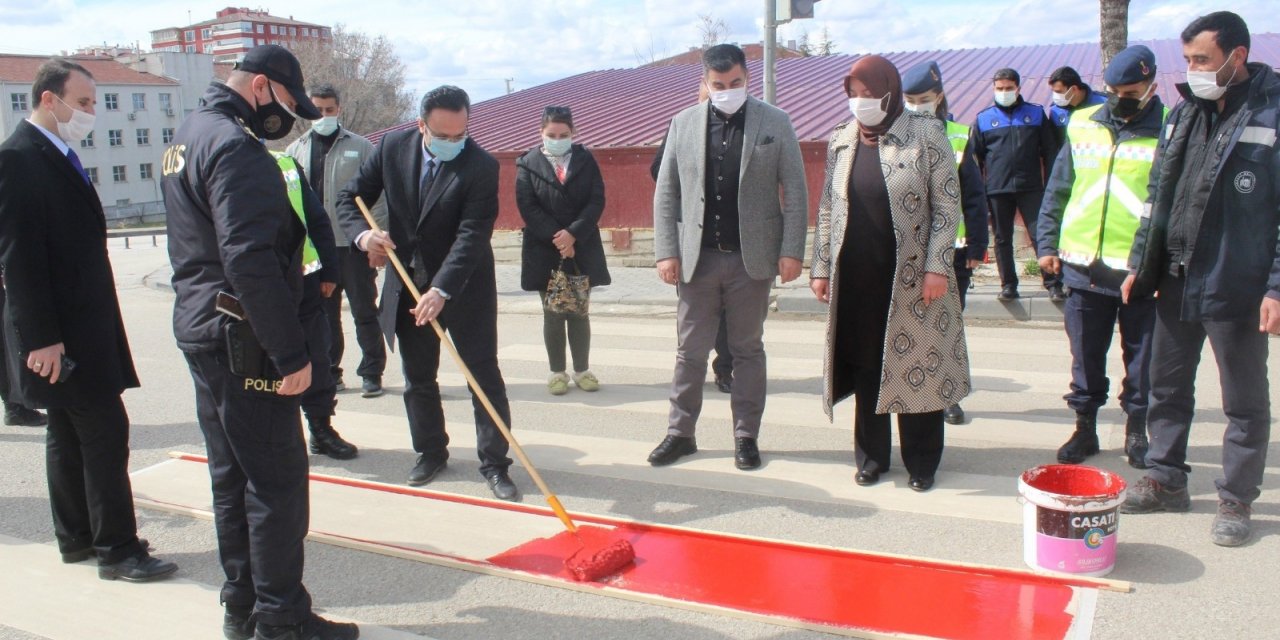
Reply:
x=770, y=49
x=509, y=81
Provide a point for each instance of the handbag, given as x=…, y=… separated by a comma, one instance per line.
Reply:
x=568, y=294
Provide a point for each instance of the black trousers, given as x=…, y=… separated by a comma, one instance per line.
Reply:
x=87, y=464
x=4, y=371
x=261, y=510
x=360, y=282
x=964, y=275
x=475, y=333
x=722, y=364
x=1241, y=353
x=921, y=434
x=320, y=399
x=1090, y=319
x=1003, y=209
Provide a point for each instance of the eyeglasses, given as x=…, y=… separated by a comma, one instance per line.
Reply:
x=458, y=138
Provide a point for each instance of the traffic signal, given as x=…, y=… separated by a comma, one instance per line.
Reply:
x=789, y=10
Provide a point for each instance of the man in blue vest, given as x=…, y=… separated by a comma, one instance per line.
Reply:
x=923, y=94
x=1091, y=213
x=1210, y=251
x=1014, y=144
x=1070, y=94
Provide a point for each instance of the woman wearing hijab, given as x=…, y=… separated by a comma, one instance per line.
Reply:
x=883, y=261
x=560, y=194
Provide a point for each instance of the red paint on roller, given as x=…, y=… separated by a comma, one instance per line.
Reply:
x=602, y=563
x=821, y=586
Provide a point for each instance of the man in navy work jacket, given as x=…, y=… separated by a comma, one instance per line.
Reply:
x=1014, y=144
x=1070, y=94
x=1210, y=251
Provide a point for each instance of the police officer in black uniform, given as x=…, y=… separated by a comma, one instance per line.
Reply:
x=233, y=230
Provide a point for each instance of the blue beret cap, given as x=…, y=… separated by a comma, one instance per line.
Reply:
x=1134, y=64
x=923, y=77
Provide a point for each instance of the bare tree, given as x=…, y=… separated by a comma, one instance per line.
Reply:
x=367, y=73
x=803, y=45
x=650, y=54
x=825, y=46
x=1114, y=34
x=712, y=29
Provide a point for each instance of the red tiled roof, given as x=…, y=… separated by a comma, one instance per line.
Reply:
x=632, y=107
x=22, y=69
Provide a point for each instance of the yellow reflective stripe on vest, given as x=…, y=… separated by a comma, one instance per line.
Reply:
x=293, y=183
x=958, y=135
x=1108, y=195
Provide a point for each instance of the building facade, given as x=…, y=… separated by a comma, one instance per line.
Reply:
x=235, y=31
x=137, y=115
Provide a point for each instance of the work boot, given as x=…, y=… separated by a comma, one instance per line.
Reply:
x=1083, y=443
x=237, y=622
x=315, y=628
x=1148, y=496
x=1056, y=294
x=1231, y=525
x=325, y=440
x=1135, y=441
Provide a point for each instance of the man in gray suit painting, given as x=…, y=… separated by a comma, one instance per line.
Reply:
x=729, y=215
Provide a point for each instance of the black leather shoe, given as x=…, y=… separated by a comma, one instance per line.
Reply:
x=372, y=387
x=315, y=628
x=671, y=449
x=325, y=440
x=80, y=555
x=237, y=622
x=1056, y=294
x=866, y=478
x=502, y=487
x=953, y=415
x=920, y=483
x=16, y=415
x=724, y=383
x=140, y=568
x=1083, y=443
x=1008, y=292
x=425, y=471
x=746, y=455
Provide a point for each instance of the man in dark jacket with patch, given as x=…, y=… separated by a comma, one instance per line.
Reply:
x=237, y=226
x=1209, y=249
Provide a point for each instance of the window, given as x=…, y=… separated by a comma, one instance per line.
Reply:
x=166, y=102
x=208, y=48
x=139, y=102
x=166, y=135
x=274, y=30
x=144, y=171
x=19, y=101
x=93, y=174
x=293, y=31
x=191, y=49
x=189, y=35
x=261, y=28
x=204, y=34
x=144, y=137
x=118, y=173
x=261, y=41
x=115, y=137
x=112, y=100
x=87, y=142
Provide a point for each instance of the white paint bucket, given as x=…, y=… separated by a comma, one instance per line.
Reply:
x=1070, y=519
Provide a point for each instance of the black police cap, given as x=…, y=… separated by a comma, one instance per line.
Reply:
x=279, y=65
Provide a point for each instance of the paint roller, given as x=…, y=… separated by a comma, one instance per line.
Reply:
x=582, y=565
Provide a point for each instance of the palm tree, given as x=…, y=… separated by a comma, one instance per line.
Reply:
x=1115, y=28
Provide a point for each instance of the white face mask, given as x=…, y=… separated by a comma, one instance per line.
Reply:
x=868, y=110
x=1006, y=98
x=728, y=101
x=1063, y=99
x=928, y=107
x=1204, y=84
x=325, y=126
x=557, y=146
x=78, y=127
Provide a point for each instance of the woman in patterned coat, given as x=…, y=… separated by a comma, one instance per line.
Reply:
x=883, y=261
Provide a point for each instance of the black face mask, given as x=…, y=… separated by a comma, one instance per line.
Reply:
x=1126, y=108
x=275, y=121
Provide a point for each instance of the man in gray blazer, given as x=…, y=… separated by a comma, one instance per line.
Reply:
x=729, y=215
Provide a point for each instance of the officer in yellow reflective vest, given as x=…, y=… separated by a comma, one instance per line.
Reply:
x=1088, y=221
x=922, y=93
x=320, y=277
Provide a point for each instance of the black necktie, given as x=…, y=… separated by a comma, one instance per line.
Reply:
x=428, y=177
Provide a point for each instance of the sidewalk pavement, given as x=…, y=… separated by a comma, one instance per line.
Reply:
x=638, y=291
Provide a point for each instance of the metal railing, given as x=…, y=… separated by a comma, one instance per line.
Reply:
x=154, y=232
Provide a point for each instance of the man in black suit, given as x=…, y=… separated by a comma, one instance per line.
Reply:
x=67, y=349
x=442, y=199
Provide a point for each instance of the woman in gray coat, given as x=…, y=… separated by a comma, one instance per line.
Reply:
x=883, y=261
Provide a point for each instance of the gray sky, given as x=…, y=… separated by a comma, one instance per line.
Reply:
x=476, y=44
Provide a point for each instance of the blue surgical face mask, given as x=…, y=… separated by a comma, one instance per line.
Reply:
x=557, y=146
x=446, y=150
